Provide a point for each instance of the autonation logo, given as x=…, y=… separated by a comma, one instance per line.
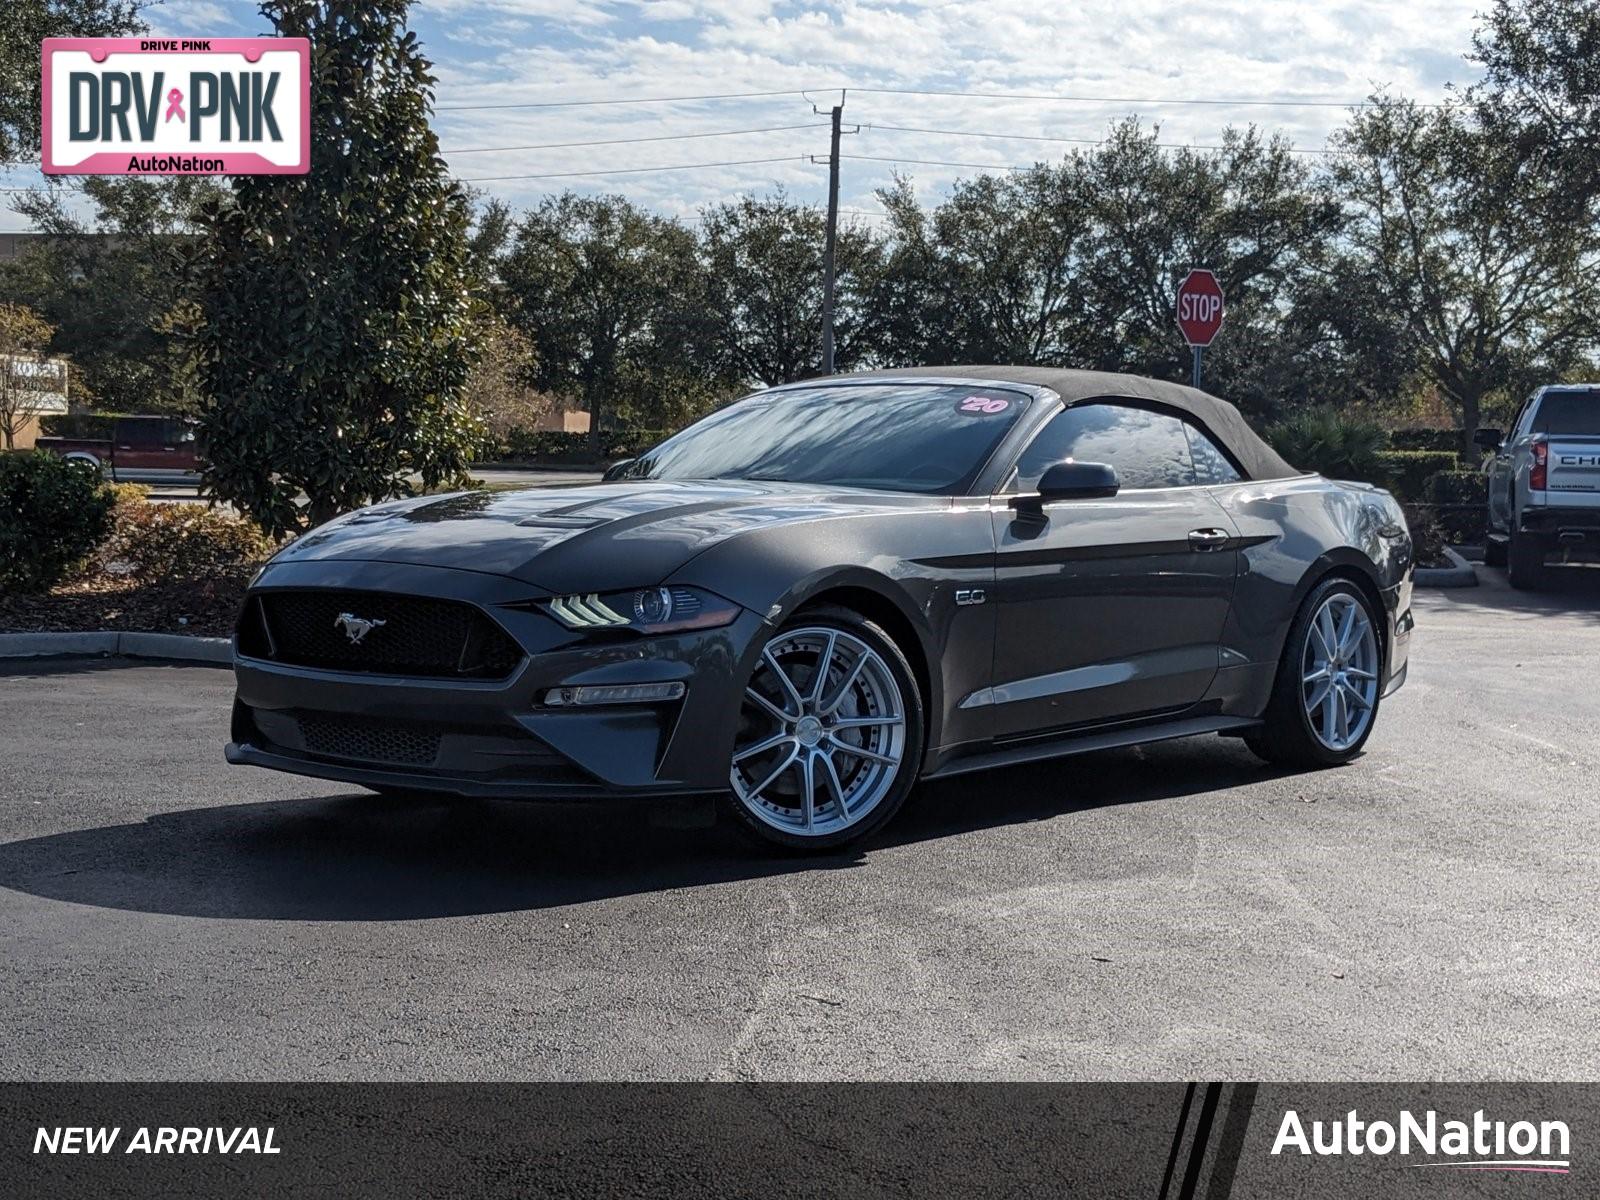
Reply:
x=1476, y=1145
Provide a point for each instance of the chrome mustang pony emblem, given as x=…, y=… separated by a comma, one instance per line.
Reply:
x=355, y=628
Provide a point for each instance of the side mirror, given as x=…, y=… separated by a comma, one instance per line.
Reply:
x=1071, y=481
x=1489, y=439
x=616, y=469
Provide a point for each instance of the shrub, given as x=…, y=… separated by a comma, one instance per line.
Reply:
x=1326, y=441
x=1427, y=535
x=1408, y=471
x=1424, y=439
x=542, y=445
x=52, y=516
x=1460, y=500
x=183, y=541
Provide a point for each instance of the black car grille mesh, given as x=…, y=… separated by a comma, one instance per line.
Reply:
x=404, y=635
x=370, y=741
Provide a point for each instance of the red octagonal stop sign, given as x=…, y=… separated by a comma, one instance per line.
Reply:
x=1199, y=307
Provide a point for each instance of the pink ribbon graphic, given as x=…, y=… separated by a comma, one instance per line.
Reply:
x=175, y=105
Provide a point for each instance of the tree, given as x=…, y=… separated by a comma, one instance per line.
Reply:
x=23, y=338
x=761, y=284
x=493, y=229
x=602, y=289
x=1445, y=206
x=117, y=286
x=991, y=274
x=1077, y=263
x=338, y=305
x=1542, y=72
x=500, y=390
x=23, y=25
x=1248, y=211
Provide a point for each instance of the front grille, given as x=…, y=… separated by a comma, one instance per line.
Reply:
x=404, y=635
x=370, y=741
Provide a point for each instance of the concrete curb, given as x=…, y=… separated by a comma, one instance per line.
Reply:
x=1459, y=574
x=174, y=647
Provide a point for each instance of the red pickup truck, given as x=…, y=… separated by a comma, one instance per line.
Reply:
x=139, y=450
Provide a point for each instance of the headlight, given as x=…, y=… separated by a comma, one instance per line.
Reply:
x=644, y=610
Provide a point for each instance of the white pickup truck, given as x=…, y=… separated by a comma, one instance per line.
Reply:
x=1544, y=482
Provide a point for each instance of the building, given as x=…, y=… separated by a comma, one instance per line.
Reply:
x=13, y=245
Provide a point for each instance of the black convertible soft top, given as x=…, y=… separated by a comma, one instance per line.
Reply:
x=1219, y=418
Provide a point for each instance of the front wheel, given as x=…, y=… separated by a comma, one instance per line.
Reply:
x=830, y=733
x=1325, y=699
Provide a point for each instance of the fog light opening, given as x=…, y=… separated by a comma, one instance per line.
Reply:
x=623, y=693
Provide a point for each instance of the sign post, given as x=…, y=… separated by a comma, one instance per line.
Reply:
x=1200, y=310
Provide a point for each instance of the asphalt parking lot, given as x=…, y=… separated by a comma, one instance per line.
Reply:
x=1169, y=913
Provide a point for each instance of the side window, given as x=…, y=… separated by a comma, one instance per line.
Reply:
x=140, y=431
x=1211, y=465
x=1524, y=422
x=1148, y=449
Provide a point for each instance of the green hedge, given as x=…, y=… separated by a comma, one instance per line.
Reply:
x=553, y=446
x=1460, y=486
x=1423, y=439
x=1409, y=470
x=1459, y=499
x=52, y=515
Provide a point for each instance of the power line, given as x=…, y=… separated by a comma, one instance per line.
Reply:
x=1279, y=103
x=1173, y=101
x=1028, y=137
x=741, y=162
x=934, y=162
x=616, y=100
x=661, y=137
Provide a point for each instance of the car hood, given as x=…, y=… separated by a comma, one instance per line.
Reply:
x=586, y=538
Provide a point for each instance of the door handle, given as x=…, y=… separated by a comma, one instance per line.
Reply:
x=1208, y=539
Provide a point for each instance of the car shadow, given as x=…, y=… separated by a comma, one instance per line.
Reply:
x=365, y=857
x=1566, y=589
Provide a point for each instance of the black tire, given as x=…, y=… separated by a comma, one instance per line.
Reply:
x=1525, y=562
x=1286, y=737
x=853, y=623
x=1494, y=552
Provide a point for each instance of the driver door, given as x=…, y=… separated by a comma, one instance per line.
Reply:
x=1114, y=607
x=1502, y=482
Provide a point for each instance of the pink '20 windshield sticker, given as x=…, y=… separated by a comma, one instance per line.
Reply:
x=177, y=106
x=984, y=406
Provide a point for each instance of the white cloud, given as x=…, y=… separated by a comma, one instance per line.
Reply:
x=511, y=51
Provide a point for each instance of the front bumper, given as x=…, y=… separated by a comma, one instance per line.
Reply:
x=1397, y=603
x=497, y=737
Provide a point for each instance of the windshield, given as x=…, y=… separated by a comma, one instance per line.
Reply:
x=900, y=437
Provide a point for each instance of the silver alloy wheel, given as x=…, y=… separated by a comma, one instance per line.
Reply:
x=822, y=733
x=1339, y=672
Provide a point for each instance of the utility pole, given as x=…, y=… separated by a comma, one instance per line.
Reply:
x=831, y=241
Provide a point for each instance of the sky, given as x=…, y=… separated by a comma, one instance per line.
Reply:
x=1107, y=58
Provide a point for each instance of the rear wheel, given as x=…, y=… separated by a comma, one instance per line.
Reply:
x=830, y=733
x=1325, y=699
x=1525, y=561
x=1494, y=551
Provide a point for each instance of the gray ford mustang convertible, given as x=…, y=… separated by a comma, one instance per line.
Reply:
x=826, y=591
